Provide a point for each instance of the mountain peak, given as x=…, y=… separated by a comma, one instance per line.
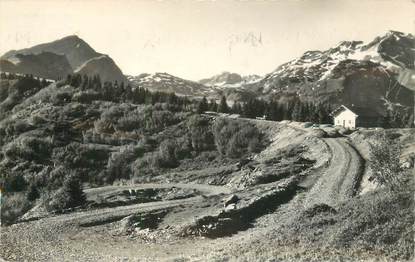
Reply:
x=81, y=56
x=392, y=32
x=70, y=37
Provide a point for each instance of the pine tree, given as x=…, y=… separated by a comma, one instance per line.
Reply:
x=223, y=106
x=32, y=193
x=213, y=106
x=296, y=112
x=202, y=106
x=72, y=187
x=236, y=108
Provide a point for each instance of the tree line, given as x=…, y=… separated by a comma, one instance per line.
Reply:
x=42, y=82
x=120, y=92
x=271, y=110
x=294, y=109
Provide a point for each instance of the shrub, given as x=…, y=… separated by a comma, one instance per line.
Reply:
x=69, y=195
x=61, y=97
x=13, y=206
x=384, y=161
x=87, y=97
x=119, y=163
x=235, y=138
x=14, y=127
x=32, y=193
x=158, y=120
x=28, y=148
x=167, y=154
x=13, y=182
x=130, y=122
x=76, y=155
x=200, y=133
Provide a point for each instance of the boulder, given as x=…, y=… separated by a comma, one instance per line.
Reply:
x=232, y=199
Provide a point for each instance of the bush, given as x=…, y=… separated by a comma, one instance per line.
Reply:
x=13, y=182
x=167, y=154
x=28, y=148
x=130, y=122
x=235, y=138
x=13, y=206
x=86, y=97
x=384, y=161
x=32, y=193
x=69, y=195
x=76, y=155
x=61, y=97
x=119, y=163
x=14, y=127
x=200, y=133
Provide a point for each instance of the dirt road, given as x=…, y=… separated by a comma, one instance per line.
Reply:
x=341, y=178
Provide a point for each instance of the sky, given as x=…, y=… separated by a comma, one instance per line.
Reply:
x=197, y=39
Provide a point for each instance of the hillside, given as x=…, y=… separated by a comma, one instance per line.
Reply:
x=103, y=174
x=103, y=66
x=79, y=54
x=46, y=65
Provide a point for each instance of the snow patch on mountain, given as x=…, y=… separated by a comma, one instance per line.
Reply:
x=165, y=82
x=226, y=80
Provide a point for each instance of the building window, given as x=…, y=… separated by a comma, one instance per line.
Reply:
x=350, y=121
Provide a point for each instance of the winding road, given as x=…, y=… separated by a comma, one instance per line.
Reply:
x=341, y=178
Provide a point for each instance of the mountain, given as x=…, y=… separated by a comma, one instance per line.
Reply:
x=164, y=82
x=76, y=50
x=230, y=80
x=45, y=65
x=79, y=54
x=104, y=66
x=352, y=72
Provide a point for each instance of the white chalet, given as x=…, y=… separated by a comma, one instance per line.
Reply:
x=355, y=117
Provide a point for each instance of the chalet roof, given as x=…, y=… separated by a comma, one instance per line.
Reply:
x=359, y=111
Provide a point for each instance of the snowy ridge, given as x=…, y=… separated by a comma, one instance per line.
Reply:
x=394, y=51
x=226, y=80
x=165, y=82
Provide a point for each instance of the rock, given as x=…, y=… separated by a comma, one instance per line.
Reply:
x=230, y=207
x=232, y=199
x=406, y=165
x=307, y=125
x=319, y=209
x=125, y=224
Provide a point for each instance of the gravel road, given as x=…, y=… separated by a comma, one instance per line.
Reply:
x=340, y=180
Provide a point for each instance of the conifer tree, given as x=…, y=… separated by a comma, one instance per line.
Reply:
x=223, y=106
x=202, y=106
